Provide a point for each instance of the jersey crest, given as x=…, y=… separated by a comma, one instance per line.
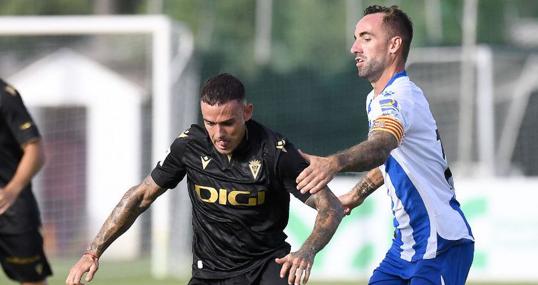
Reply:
x=255, y=166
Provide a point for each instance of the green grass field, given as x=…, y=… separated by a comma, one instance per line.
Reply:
x=138, y=273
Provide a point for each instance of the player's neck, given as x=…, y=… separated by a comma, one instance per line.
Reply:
x=385, y=77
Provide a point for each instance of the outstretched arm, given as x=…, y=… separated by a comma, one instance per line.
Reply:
x=134, y=202
x=361, y=157
x=31, y=162
x=366, y=186
x=298, y=264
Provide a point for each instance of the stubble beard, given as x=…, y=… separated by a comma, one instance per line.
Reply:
x=370, y=71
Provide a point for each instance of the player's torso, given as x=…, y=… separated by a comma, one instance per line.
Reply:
x=10, y=150
x=23, y=214
x=239, y=212
x=417, y=177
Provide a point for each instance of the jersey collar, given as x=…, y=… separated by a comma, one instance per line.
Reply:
x=393, y=78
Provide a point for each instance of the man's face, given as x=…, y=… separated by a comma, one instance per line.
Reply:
x=225, y=123
x=371, y=46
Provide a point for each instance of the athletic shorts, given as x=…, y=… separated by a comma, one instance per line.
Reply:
x=448, y=268
x=22, y=257
x=269, y=275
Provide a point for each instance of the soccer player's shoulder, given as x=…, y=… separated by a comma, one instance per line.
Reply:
x=195, y=135
x=263, y=133
x=275, y=142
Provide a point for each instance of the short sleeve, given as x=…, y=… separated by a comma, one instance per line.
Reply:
x=17, y=117
x=170, y=171
x=290, y=164
x=385, y=115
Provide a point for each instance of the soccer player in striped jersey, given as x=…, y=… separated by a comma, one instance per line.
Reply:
x=433, y=243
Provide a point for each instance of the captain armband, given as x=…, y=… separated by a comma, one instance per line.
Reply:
x=388, y=124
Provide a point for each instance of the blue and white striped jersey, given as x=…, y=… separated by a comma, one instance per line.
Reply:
x=427, y=216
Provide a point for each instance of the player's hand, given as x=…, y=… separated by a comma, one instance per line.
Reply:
x=86, y=264
x=7, y=198
x=350, y=201
x=297, y=266
x=316, y=176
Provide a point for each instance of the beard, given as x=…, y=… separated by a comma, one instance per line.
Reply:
x=371, y=70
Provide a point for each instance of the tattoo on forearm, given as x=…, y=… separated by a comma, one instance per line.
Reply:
x=329, y=215
x=368, y=154
x=122, y=217
x=364, y=188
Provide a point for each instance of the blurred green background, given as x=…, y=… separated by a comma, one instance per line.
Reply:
x=306, y=86
x=308, y=51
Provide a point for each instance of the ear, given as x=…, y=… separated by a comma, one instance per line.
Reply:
x=247, y=111
x=395, y=44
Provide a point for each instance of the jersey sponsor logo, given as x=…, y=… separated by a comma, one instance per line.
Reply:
x=25, y=126
x=184, y=134
x=255, y=166
x=281, y=145
x=388, y=105
x=232, y=197
x=205, y=161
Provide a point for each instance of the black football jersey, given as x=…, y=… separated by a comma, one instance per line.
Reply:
x=16, y=129
x=240, y=203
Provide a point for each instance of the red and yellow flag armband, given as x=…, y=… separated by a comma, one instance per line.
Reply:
x=388, y=124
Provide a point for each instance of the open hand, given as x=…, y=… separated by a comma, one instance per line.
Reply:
x=297, y=266
x=7, y=198
x=316, y=176
x=86, y=264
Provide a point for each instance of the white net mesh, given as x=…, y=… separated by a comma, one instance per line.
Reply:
x=510, y=84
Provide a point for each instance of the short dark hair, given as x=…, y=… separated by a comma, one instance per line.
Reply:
x=397, y=22
x=222, y=89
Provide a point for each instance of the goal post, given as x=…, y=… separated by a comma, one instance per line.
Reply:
x=171, y=57
x=437, y=71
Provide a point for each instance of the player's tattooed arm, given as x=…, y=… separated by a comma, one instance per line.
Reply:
x=366, y=186
x=368, y=154
x=134, y=202
x=330, y=213
x=297, y=265
x=361, y=157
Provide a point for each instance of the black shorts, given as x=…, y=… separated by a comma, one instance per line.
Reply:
x=23, y=258
x=269, y=275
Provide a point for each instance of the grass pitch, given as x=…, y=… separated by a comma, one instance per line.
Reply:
x=138, y=273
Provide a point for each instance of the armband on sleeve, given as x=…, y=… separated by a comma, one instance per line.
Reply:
x=389, y=124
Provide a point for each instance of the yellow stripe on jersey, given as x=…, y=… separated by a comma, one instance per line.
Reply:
x=388, y=124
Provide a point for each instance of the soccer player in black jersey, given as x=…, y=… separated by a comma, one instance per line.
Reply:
x=240, y=175
x=21, y=157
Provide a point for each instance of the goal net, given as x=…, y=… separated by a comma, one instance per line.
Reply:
x=498, y=137
x=464, y=116
x=109, y=94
